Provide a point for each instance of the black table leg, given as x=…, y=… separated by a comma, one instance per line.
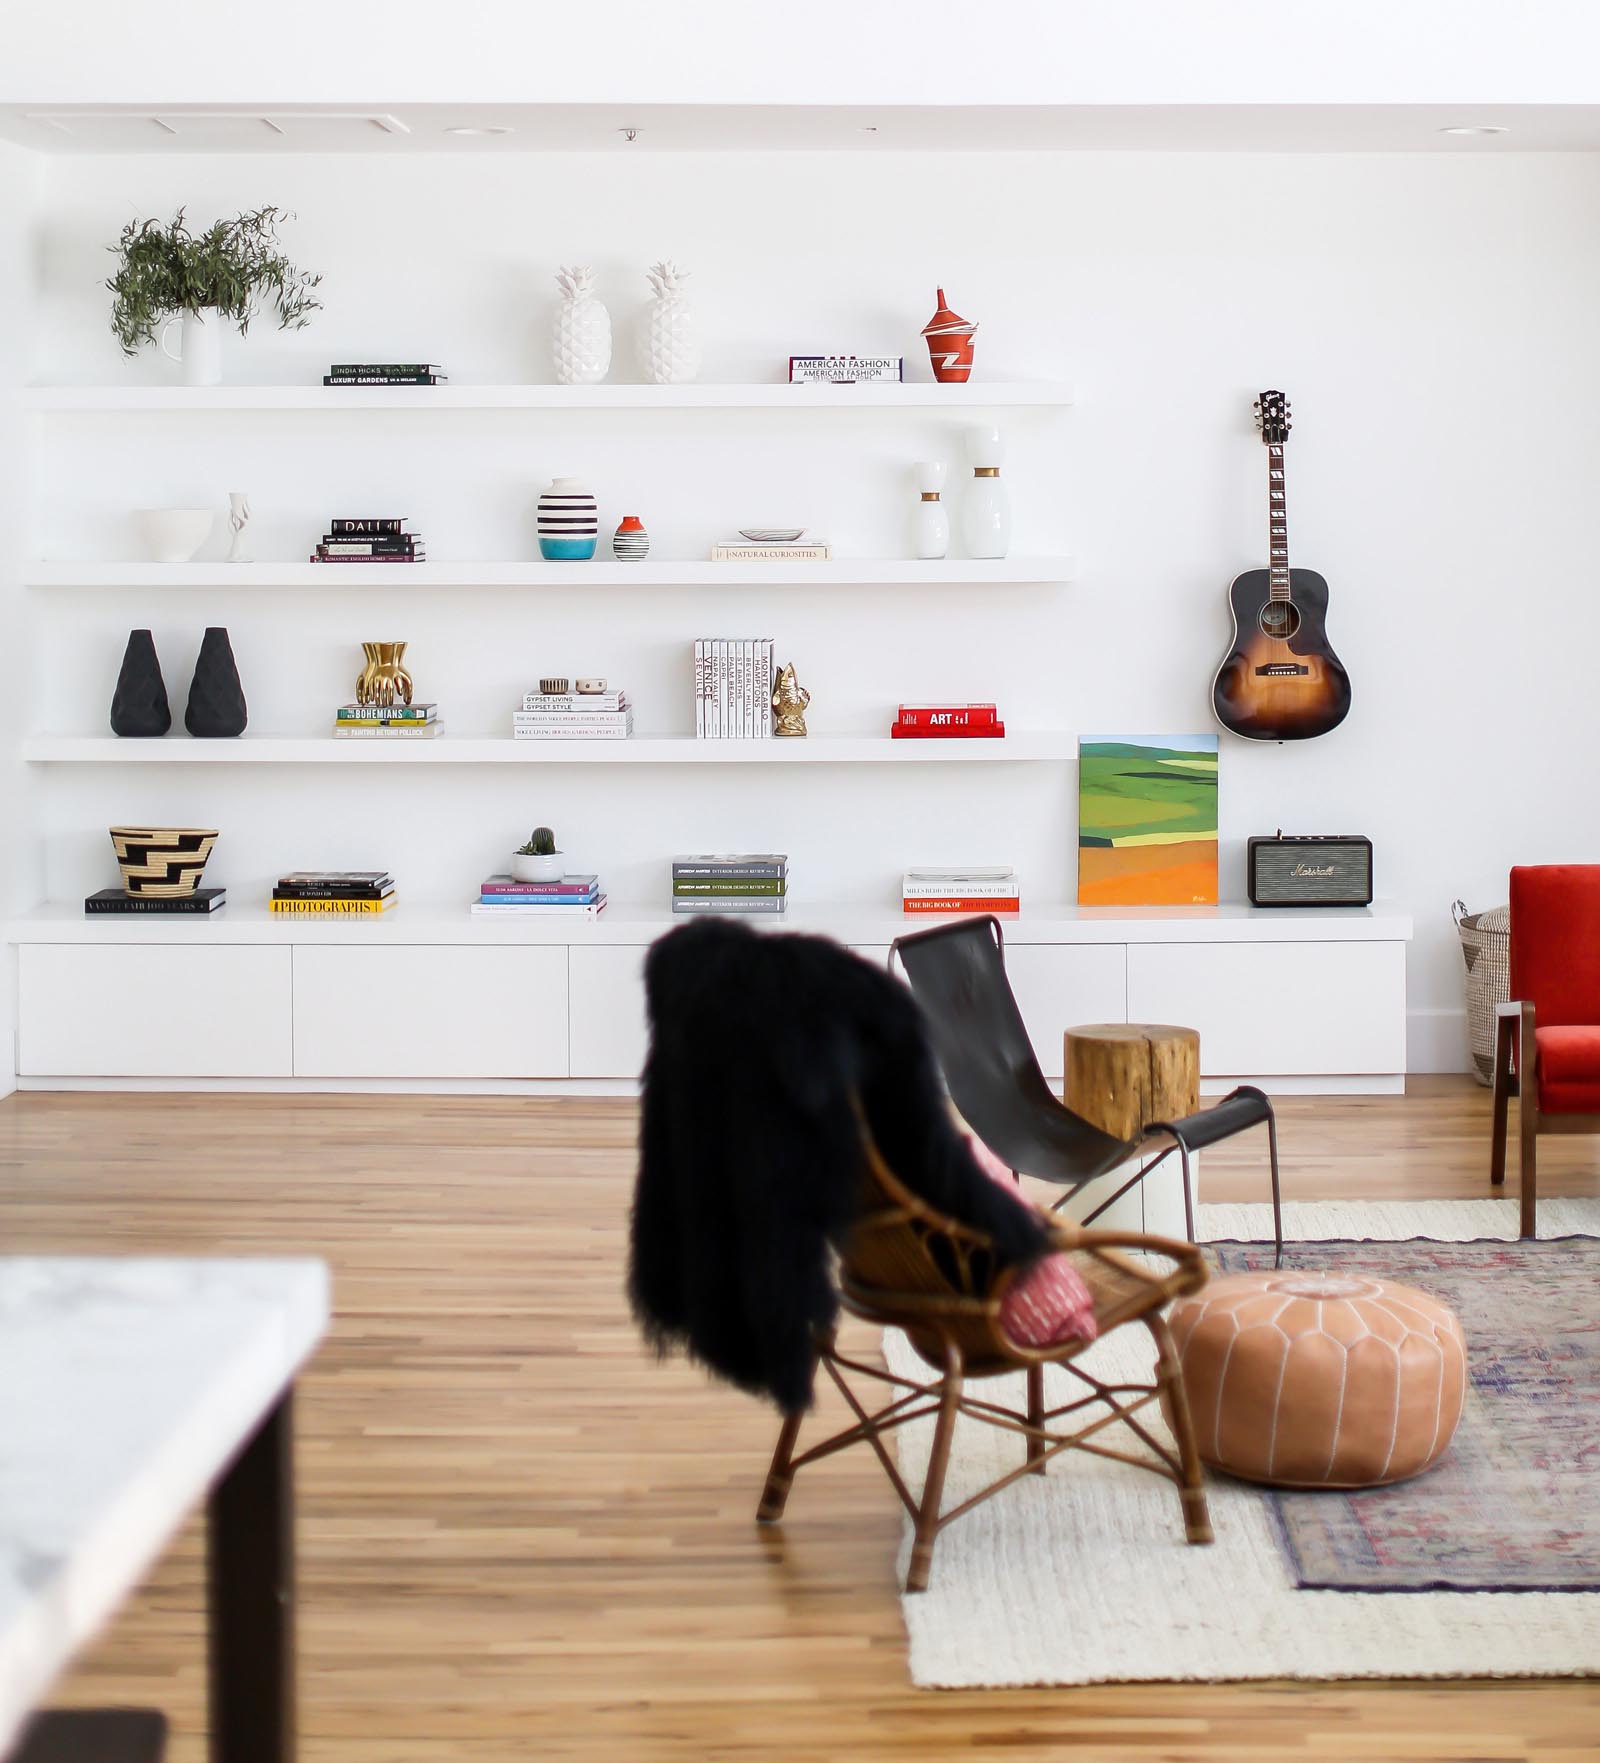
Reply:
x=251, y=1598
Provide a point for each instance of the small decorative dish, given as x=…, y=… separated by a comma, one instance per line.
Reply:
x=772, y=535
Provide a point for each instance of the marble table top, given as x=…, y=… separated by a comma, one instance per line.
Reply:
x=126, y=1385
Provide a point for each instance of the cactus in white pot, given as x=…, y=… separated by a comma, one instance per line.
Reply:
x=582, y=341
x=671, y=347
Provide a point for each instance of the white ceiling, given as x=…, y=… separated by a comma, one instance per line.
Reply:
x=414, y=128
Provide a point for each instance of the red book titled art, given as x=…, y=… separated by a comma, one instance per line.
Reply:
x=945, y=716
x=989, y=731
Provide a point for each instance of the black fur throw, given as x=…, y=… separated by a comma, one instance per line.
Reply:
x=751, y=1154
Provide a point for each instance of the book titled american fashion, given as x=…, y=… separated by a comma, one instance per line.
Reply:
x=113, y=900
x=847, y=370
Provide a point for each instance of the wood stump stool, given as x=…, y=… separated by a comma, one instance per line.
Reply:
x=1124, y=1076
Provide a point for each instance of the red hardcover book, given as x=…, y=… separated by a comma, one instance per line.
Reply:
x=958, y=904
x=992, y=731
x=939, y=716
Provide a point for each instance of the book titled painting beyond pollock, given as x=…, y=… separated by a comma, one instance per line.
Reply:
x=1147, y=821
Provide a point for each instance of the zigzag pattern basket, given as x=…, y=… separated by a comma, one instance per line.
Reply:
x=162, y=862
x=1486, y=950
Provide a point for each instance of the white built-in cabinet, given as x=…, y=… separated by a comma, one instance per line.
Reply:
x=1318, y=996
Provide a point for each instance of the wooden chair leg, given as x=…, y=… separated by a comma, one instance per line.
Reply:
x=938, y=1462
x=1528, y=1124
x=1191, y=1488
x=1502, y=1102
x=1036, y=1447
x=775, y=1495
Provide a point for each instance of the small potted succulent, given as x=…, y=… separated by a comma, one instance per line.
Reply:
x=539, y=860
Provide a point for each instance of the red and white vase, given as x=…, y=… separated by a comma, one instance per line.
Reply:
x=950, y=345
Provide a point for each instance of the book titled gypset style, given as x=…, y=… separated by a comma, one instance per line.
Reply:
x=838, y=370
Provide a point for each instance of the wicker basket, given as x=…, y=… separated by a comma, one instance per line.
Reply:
x=1486, y=949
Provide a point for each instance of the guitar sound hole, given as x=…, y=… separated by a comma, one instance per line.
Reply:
x=1279, y=619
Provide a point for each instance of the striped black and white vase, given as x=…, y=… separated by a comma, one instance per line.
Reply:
x=569, y=521
x=630, y=543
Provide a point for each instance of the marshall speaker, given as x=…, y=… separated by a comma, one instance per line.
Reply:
x=1332, y=871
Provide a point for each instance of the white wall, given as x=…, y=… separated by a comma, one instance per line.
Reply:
x=1430, y=316
x=21, y=868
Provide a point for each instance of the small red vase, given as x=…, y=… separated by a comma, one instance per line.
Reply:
x=950, y=345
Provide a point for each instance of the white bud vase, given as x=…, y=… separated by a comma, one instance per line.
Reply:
x=986, y=508
x=930, y=522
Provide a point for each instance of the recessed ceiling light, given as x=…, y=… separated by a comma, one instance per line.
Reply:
x=488, y=128
x=869, y=128
x=1475, y=128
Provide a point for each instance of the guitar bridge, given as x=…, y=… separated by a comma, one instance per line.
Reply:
x=1278, y=669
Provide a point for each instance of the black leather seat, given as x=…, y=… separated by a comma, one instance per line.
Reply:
x=957, y=973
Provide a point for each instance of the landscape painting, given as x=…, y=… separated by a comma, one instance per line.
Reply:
x=1147, y=822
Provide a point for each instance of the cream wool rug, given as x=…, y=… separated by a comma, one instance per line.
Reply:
x=1083, y=1576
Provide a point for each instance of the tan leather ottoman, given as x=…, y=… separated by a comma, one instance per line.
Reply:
x=1319, y=1380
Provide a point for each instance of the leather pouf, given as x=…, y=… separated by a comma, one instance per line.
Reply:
x=1319, y=1380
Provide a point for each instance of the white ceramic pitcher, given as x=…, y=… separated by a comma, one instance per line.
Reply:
x=201, y=346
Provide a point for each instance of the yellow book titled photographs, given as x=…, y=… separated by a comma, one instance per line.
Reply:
x=339, y=908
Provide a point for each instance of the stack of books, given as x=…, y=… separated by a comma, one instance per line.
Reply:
x=566, y=716
x=772, y=551
x=385, y=373
x=345, y=893
x=370, y=539
x=410, y=722
x=923, y=722
x=200, y=902
x=748, y=881
x=733, y=688
x=574, y=896
x=959, y=890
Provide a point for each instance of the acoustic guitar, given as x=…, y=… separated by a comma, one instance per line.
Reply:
x=1281, y=680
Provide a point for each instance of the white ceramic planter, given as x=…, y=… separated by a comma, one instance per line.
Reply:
x=173, y=535
x=930, y=522
x=528, y=868
x=986, y=508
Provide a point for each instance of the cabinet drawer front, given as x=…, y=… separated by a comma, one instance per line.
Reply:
x=430, y=1012
x=1278, y=1009
x=1056, y=985
x=159, y=1010
x=609, y=1037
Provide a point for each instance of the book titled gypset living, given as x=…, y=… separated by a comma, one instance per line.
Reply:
x=845, y=370
x=733, y=688
x=556, y=716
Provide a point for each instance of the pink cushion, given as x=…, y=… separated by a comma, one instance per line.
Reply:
x=1047, y=1303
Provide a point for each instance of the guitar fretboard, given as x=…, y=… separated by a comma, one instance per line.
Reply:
x=1277, y=523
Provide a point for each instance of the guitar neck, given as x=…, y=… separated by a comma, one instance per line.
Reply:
x=1277, y=522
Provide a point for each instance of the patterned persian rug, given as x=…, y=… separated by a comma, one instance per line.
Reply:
x=1083, y=1576
x=1514, y=1504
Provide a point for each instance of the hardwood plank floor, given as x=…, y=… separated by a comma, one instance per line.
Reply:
x=523, y=1539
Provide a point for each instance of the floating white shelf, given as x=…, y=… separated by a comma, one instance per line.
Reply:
x=858, y=922
x=601, y=573
x=910, y=395
x=490, y=750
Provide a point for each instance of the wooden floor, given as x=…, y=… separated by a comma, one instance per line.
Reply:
x=522, y=1539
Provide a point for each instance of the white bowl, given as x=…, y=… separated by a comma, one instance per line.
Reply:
x=173, y=535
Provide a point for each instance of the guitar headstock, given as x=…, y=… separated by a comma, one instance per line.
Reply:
x=1272, y=418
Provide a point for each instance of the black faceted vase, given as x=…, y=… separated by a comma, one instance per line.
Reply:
x=139, y=704
x=216, y=699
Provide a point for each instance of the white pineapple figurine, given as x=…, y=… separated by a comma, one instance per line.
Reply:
x=582, y=331
x=670, y=344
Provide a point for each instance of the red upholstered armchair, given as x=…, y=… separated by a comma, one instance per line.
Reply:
x=1552, y=1029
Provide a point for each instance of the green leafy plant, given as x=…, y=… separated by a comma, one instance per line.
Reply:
x=234, y=265
x=541, y=843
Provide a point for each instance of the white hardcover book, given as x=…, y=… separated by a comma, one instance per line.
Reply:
x=768, y=650
x=747, y=670
x=976, y=873
x=574, y=701
x=721, y=653
x=699, y=689
x=962, y=889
